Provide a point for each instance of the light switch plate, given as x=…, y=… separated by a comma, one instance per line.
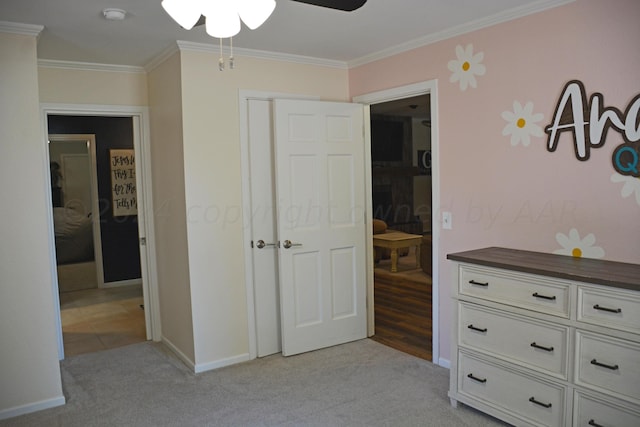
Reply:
x=446, y=220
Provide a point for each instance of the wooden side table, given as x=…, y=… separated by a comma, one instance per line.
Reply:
x=395, y=241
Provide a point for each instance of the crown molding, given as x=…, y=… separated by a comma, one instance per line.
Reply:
x=478, y=24
x=261, y=54
x=181, y=45
x=23, y=29
x=163, y=56
x=89, y=66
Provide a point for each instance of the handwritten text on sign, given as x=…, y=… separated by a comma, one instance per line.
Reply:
x=123, y=182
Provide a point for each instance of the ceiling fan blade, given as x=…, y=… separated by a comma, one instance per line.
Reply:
x=346, y=5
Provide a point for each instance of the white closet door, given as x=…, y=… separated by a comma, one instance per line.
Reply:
x=321, y=209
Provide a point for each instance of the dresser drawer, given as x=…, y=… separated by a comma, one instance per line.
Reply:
x=611, y=308
x=608, y=364
x=519, y=339
x=527, y=291
x=534, y=401
x=590, y=411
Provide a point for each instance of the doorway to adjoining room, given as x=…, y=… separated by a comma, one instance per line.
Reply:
x=402, y=208
x=97, y=254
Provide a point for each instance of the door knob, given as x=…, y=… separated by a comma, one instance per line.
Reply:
x=261, y=244
x=288, y=243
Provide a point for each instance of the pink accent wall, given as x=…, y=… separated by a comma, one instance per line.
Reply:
x=522, y=196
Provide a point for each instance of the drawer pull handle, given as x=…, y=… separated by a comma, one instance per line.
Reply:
x=537, y=402
x=477, y=329
x=541, y=347
x=604, y=365
x=473, y=282
x=610, y=310
x=537, y=295
x=594, y=423
x=480, y=380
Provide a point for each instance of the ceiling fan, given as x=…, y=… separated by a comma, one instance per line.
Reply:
x=344, y=5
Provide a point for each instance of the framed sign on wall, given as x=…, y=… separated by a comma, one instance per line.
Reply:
x=123, y=182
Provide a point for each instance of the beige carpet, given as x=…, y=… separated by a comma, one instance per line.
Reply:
x=357, y=384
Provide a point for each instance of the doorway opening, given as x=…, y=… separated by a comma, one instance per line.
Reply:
x=402, y=211
x=98, y=260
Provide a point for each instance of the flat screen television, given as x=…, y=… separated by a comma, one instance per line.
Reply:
x=387, y=139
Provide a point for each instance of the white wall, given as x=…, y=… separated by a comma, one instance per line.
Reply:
x=29, y=369
x=213, y=188
x=77, y=86
x=195, y=150
x=168, y=171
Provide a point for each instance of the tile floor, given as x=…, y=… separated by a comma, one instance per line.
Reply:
x=99, y=319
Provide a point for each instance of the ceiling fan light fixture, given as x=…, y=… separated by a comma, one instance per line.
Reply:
x=185, y=12
x=254, y=13
x=222, y=19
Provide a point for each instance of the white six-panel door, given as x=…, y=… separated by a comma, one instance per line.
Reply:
x=321, y=228
x=263, y=227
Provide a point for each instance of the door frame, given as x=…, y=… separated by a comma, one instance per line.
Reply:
x=142, y=148
x=429, y=87
x=95, y=219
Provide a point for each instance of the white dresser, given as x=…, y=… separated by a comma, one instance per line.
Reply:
x=546, y=340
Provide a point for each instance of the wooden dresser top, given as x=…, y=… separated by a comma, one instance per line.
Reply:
x=608, y=273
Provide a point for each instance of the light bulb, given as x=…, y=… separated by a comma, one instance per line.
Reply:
x=185, y=12
x=222, y=19
x=255, y=12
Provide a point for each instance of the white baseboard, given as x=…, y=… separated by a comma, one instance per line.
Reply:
x=31, y=407
x=190, y=363
x=445, y=363
x=122, y=283
x=202, y=367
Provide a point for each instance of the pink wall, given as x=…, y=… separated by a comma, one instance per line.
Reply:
x=523, y=196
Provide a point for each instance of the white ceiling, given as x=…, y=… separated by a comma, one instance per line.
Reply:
x=75, y=30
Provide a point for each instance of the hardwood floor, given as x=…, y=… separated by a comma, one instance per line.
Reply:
x=99, y=319
x=403, y=307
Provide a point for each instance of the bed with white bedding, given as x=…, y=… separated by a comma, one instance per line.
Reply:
x=73, y=236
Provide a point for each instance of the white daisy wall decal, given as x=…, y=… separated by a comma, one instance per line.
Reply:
x=573, y=245
x=521, y=124
x=630, y=185
x=466, y=67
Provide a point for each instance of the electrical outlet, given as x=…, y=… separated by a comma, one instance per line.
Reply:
x=446, y=220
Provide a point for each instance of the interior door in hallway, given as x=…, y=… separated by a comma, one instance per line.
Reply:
x=321, y=223
x=264, y=237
